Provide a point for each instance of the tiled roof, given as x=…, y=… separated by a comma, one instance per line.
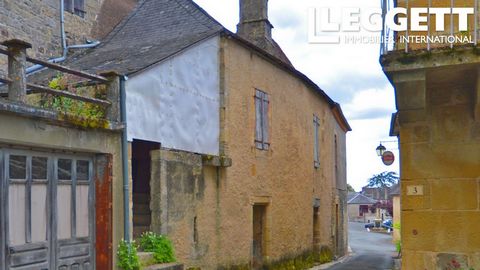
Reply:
x=154, y=30
x=361, y=199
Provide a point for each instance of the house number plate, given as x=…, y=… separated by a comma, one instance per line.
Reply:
x=414, y=190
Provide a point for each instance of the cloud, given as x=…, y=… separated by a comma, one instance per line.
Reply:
x=373, y=113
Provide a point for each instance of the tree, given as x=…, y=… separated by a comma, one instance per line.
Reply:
x=350, y=188
x=384, y=179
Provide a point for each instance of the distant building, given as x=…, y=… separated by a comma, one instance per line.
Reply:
x=359, y=208
x=377, y=193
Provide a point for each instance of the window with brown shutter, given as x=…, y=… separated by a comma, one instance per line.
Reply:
x=262, y=136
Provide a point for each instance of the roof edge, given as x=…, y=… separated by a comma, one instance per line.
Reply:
x=334, y=106
x=179, y=51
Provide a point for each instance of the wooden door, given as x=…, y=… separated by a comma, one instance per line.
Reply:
x=48, y=210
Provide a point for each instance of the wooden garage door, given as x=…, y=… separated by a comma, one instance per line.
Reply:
x=47, y=213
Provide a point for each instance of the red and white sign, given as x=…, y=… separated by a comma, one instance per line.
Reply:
x=388, y=158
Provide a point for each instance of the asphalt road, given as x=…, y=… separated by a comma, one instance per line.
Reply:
x=371, y=251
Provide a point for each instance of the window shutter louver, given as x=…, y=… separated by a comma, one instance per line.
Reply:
x=258, y=120
x=265, y=126
x=316, y=150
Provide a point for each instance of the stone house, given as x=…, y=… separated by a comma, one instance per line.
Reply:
x=377, y=193
x=358, y=208
x=233, y=153
x=235, y=134
x=437, y=123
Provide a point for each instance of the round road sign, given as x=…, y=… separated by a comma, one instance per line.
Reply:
x=388, y=158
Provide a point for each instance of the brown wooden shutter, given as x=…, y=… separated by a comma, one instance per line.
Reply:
x=258, y=119
x=265, y=121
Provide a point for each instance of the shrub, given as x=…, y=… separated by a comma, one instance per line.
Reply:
x=160, y=246
x=325, y=255
x=127, y=256
x=398, y=246
x=71, y=106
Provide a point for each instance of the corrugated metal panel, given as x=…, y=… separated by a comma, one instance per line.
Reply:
x=176, y=103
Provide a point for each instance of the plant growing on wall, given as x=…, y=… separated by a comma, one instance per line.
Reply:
x=71, y=106
x=160, y=245
x=127, y=256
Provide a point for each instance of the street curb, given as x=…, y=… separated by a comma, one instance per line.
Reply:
x=330, y=264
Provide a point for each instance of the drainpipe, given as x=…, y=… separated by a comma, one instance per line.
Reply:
x=126, y=192
x=65, y=48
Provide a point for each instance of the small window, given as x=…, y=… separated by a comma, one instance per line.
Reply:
x=316, y=146
x=76, y=7
x=262, y=103
x=64, y=169
x=363, y=209
x=18, y=167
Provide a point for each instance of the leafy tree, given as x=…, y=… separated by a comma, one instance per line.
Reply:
x=350, y=188
x=384, y=179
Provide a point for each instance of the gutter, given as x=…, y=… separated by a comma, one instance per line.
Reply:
x=126, y=191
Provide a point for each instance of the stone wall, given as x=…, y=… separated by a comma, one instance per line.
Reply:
x=207, y=211
x=38, y=22
x=438, y=124
x=283, y=178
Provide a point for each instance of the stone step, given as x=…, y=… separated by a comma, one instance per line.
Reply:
x=141, y=198
x=141, y=208
x=138, y=230
x=142, y=220
x=165, y=266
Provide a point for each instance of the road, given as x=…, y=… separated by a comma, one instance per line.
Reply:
x=371, y=251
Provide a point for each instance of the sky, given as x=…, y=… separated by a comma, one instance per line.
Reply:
x=349, y=74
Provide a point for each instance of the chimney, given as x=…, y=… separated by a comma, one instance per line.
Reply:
x=254, y=25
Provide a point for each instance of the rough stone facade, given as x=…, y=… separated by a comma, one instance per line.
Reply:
x=208, y=211
x=438, y=124
x=38, y=22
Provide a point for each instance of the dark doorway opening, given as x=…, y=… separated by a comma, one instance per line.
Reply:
x=316, y=228
x=337, y=230
x=259, y=234
x=141, y=173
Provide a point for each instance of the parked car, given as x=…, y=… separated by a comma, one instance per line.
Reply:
x=387, y=224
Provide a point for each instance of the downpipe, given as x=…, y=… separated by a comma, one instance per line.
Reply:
x=126, y=190
x=65, y=48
